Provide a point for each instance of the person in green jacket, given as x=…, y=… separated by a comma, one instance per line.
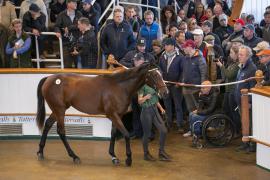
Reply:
x=149, y=102
x=229, y=73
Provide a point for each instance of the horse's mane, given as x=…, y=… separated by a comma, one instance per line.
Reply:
x=123, y=75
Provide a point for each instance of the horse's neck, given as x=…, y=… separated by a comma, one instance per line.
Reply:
x=135, y=83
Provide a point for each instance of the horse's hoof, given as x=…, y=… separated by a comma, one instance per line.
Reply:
x=40, y=156
x=115, y=161
x=128, y=162
x=76, y=160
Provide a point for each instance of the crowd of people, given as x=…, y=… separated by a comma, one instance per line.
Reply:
x=193, y=45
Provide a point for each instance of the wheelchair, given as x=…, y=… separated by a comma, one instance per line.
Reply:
x=217, y=130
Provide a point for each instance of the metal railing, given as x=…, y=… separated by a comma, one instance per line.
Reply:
x=39, y=60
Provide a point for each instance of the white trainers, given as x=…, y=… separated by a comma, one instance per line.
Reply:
x=187, y=134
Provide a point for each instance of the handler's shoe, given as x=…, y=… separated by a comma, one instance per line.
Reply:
x=148, y=157
x=163, y=156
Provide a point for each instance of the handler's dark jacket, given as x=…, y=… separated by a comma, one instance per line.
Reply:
x=246, y=71
x=208, y=102
x=88, y=49
x=127, y=60
x=117, y=40
x=63, y=21
x=174, y=71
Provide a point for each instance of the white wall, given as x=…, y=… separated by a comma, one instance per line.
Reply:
x=255, y=7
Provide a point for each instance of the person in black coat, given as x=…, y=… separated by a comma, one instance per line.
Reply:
x=171, y=69
x=34, y=22
x=66, y=27
x=56, y=8
x=128, y=59
x=87, y=47
x=92, y=12
x=117, y=37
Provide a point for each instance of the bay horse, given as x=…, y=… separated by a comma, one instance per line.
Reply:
x=104, y=94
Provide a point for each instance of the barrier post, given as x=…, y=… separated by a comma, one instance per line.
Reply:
x=37, y=53
x=245, y=115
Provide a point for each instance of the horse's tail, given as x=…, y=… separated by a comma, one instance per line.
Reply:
x=41, y=112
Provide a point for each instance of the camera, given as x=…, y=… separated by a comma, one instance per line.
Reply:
x=218, y=59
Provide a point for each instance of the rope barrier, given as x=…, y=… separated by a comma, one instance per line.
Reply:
x=213, y=85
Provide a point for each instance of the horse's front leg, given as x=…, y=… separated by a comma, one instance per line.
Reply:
x=115, y=160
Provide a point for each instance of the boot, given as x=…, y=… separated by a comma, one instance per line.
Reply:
x=148, y=157
x=163, y=156
x=243, y=147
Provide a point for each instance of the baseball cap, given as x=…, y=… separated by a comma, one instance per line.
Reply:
x=240, y=21
x=261, y=46
x=138, y=56
x=156, y=43
x=249, y=26
x=209, y=38
x=238, y=39
x=265, y=52
x=141, y=42
x=169, y=41
x=33, y=7
x=197, y=32
x=189, y=43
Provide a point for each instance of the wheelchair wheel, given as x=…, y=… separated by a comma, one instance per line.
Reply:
x=218, y=130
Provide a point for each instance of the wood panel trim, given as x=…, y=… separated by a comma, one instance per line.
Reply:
x=264, y=91
x=54, y=71
x=34, y=114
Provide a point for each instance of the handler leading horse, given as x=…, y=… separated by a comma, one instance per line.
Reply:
x=104, y=94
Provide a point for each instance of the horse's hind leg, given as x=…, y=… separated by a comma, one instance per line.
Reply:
x=118, y=123
x=128, y=152
x=62, y=135
x=49, y=123
x=115, y=160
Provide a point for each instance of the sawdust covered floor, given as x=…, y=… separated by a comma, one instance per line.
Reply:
x=18, y=161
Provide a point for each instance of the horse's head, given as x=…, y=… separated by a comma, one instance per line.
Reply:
x=155, y=80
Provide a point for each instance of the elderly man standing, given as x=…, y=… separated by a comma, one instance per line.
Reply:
x=247, y=70
x=200, y=44
x=117, y=37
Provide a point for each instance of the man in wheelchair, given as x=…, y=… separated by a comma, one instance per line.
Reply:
x=207, y=104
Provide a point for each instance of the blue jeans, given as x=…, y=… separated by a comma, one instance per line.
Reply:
x=195, y=122
x=175, y=97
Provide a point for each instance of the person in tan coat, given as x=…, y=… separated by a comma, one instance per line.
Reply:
x=7, y=13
